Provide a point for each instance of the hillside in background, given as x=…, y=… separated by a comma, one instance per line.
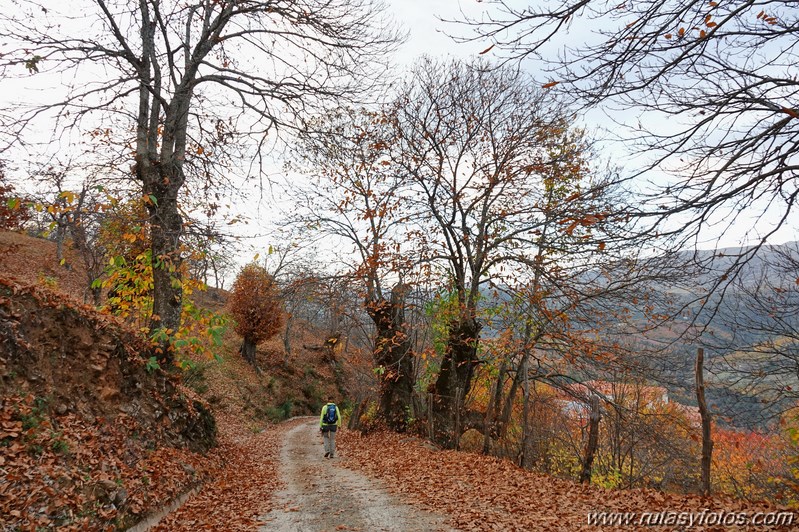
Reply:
x=748, y=335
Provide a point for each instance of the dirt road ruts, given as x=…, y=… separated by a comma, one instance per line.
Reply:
x=322, y=495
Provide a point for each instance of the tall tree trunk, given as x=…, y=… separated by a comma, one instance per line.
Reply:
x=161, y=187
x=490, y=431
x=504, y=415
x=60, y=235
x=707, y=441
x=502, y=422
x=457, y=369
x=91, y=261
x=160, y=153
x=593, y=441
x=526, y=458
x=393, y=353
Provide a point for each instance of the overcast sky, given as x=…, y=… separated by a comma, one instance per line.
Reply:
x=427, y=34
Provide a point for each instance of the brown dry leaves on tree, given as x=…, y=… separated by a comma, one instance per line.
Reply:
x=484, y=493
x=256, y=307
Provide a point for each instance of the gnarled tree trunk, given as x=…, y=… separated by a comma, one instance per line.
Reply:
x=457, y=369
x=247, y=351
x=393, y=354
x=161, y=186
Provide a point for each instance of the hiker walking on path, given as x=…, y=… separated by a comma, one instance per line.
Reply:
x=329, y=421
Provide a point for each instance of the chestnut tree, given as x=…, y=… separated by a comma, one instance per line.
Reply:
x=255, y=305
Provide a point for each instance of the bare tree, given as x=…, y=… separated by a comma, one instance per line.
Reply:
x=189, y=78
x=72, y=212
x=710, y=85
x=210, y=257
x=356, y=195
x=502, y=189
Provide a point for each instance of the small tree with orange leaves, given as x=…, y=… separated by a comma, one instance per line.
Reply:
x=256, y=307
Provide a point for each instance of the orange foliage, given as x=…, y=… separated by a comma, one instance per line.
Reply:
x=255, y=304
x=751, y=465
x=484, y=493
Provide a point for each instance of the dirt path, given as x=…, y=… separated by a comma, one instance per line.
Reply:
x=322, y=495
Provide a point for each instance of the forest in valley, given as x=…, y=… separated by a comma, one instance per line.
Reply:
x=475, y=260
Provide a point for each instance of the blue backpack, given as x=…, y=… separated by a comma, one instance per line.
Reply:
x=330, y=415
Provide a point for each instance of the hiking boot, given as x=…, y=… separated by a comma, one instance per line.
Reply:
x=327, y=455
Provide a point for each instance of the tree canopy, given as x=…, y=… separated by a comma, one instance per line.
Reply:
x=187, y=79
x=255, y=305
x=711, y=86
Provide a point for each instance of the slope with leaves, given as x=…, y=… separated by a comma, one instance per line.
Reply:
x=90, y=438
x=33, y=261
x=485, y=493
x=240, y=489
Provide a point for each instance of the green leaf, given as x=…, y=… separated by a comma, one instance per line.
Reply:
x=32, y=64
x=159, y=335
x=152, y=364
x=216, y=334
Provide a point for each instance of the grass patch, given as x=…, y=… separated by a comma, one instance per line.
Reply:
x=280, y=412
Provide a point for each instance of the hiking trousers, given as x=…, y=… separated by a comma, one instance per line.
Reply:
x=329, y=437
